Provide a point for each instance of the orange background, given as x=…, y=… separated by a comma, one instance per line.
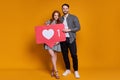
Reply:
x=98, y=41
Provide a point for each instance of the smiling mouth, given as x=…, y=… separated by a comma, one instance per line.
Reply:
x=65, y=11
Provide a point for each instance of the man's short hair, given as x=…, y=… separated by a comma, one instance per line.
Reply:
x=65, y=5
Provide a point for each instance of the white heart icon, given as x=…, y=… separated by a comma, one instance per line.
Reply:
x=48, y=34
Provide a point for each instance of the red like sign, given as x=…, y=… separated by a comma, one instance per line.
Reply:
x=50, y=34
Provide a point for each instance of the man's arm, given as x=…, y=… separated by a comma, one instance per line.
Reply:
x=76, y=25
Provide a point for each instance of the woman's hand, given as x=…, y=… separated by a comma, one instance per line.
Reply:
x=66, y=30
x=47, y=23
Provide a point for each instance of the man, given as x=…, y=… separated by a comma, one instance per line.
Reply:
x=72, y=25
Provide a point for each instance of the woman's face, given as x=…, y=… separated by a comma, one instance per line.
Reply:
x=56, y=16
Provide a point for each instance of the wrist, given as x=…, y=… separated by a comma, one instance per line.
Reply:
x=69, y=29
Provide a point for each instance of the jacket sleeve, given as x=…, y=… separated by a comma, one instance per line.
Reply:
x=76, y=25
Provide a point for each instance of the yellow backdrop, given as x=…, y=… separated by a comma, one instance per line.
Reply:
x=98, y=41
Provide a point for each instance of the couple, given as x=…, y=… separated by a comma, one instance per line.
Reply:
x=71, y=24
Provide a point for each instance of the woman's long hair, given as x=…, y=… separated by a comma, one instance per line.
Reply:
x=59, y=15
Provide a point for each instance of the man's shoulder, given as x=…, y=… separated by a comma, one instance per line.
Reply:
x=72, y=15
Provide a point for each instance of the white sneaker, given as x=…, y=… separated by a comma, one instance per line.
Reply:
x=76, y=74
x=66, y=72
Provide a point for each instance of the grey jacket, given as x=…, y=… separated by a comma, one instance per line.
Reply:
x=73, y=24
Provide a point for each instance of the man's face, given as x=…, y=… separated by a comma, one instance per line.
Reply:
x=65, y=9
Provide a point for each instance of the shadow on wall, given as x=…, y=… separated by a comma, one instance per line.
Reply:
x=37, y=52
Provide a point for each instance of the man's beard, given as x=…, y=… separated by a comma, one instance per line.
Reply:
x=65, y=13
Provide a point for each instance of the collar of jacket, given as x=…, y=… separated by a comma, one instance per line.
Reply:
x=66, y=18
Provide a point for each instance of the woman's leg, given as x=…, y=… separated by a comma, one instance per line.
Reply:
x=53, y=58
x=55, y=61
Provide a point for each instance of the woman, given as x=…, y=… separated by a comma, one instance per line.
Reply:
x=56, y=48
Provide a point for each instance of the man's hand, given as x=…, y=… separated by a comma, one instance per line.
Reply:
x=66, y=30
x=56, y=43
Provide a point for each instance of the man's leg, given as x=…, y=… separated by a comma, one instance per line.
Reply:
x=73, y=51
x=64, y=47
